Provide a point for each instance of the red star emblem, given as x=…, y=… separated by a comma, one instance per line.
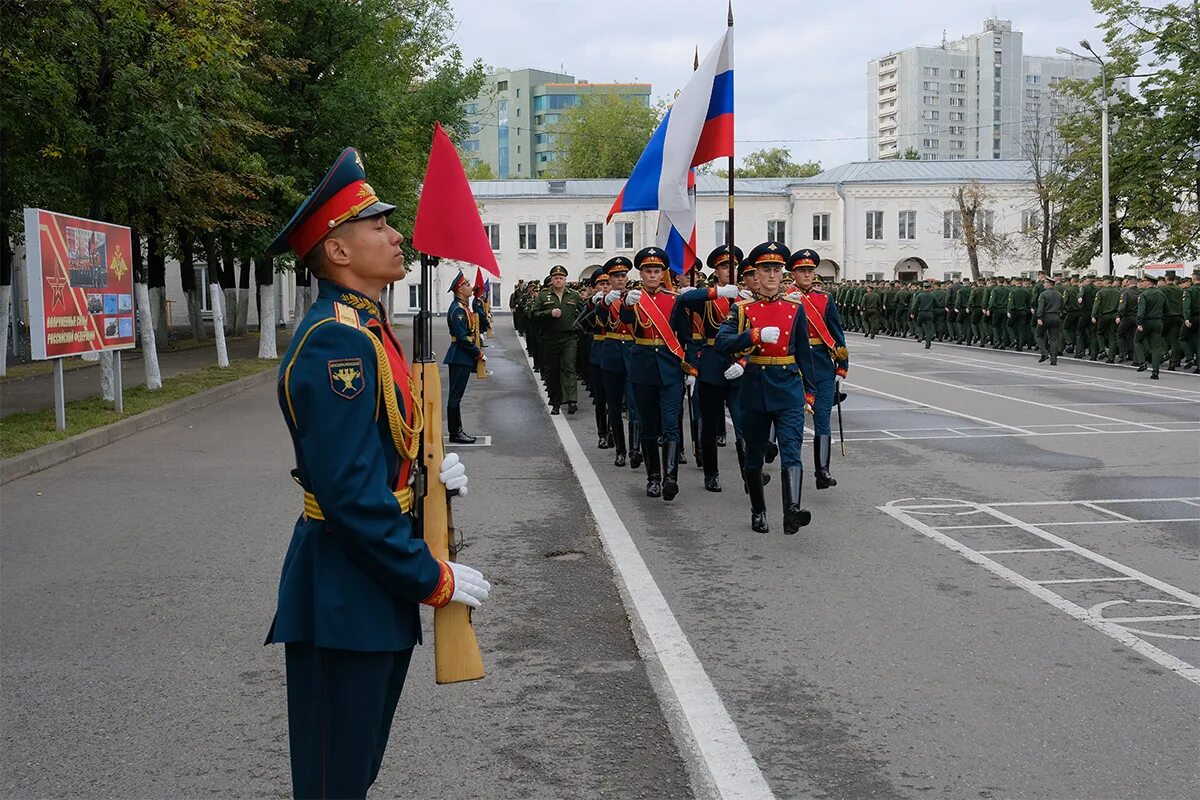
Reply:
x=58, y=285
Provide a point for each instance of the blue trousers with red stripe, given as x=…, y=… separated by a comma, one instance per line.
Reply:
x=340, y=709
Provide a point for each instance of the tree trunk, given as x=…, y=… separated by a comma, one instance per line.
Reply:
x=156, y=279
x=149, y=347
x=240, y=325
x=303, y=290
x=6, y=273
x=266, y=322
x=218, y=312
x=229, y=283
x=191, y=284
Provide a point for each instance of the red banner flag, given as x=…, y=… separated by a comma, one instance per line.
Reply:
x=479, y=287
x=448, y=223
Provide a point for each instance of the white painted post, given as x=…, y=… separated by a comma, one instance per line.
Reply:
x=266, y=321
x=118, y=385
x=146, y=323
x=60, y=397
x=218, y=311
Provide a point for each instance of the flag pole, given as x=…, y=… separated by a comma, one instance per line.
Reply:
x=729, y=232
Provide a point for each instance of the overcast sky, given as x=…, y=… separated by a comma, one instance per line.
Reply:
x=800, y=67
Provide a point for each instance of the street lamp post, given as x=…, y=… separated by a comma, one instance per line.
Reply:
x=1105, y=243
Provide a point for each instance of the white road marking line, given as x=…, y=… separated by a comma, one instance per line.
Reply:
x=1136, y=403
x=1103, y=510
x=710, y=731
x=1020, y=550
x=1118, y=521
x=1189, y=500
x=1010, y=398
x=970, y=527
x=1122, y=635
x=1163, y=618
x=1005, y=435
x=1084, y=580
x=990, y=423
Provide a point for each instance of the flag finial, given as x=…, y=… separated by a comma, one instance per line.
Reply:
x=731, y=13
x=696, y=60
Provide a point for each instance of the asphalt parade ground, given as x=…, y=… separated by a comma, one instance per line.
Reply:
x=1000, y=599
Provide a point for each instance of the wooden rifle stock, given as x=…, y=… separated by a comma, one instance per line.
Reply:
x=456, y=655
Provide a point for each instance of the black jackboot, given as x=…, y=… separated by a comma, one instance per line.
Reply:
x=606, y=439
x=653, y=473
x=740, y=446
x=618, y=436
x=712, y=479
x=457, y=435
x=670, y=486
x=794, y=517
x=635, y=444
x=821, y=453
x=758, y=503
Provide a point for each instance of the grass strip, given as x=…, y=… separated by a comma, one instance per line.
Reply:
x=22, y=432
x=28, y=369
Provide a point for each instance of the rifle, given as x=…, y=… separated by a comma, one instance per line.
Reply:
x=455, y=649
x=837, y=395
x=695, y=420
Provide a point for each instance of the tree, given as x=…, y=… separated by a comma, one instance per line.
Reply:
x=477, y=170
x=1154, y=144
x=773, y=162
x=1043, y=226
x=910, y=154
x=603, y=136
x=975, y=226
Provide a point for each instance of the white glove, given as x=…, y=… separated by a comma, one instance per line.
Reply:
x=734, y=372
x=689, y=381
x=470, y=588
x=769, y=334
x=746, y=294
x=453, y=474
x=795, y=295
x=612, y=297
x=596, y=298
x=728, y=291
x=633, y=297
x=482, y=356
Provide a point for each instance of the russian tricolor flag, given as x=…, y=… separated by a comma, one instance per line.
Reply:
x=697, y=129
x=676, y=234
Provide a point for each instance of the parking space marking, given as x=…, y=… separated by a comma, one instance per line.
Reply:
x=988, y=422
x=908, y=510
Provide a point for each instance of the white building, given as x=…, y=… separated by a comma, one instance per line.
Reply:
x=868, y=219
x=973, y=98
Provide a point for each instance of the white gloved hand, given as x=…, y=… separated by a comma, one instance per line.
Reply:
x=689, y=381
x=746, y=294
x=734, y=372
x=633, y=297
x=795, y=295
x=483, y=357
x=728, y=291
x=470, y=588
x=612, y=297
x=596, y=298
x=769, y=334
x=453, y=474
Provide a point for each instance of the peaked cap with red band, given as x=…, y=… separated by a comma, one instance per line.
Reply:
x=343, y=195
x=772, y=253
x=804, y=259
x=724, y=256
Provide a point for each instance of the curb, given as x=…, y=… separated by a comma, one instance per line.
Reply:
x=56, y=453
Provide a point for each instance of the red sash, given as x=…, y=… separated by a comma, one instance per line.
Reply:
x=659, y=321
x=721, y=304
x=816, y=321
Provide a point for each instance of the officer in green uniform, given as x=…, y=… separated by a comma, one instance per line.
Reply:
x=1189, y=333
x=1105, y=309
x=1172, y=319
x=533, y=326
x=901, y=301
x=1016, y=314
x=1071, y=313
x=1048, y=314
x=556, y=309
x=975, y=327
x=996, y=311
x=1150, y=313
x=1126, y=320
x=923, y=311
x=872, y=305
x=1085, y=332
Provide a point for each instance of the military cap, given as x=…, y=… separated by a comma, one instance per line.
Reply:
x=651, y=257
x=558, y=269
x=772, y=253
x=724, y=256
x=804, y=259
x=597, y=277
x=618, y=264
x=546, y=281
x=745, y=268
x=343, y=195
x=458, y=281
x=816, y=279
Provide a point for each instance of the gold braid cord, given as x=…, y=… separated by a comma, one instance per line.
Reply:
x=406, y=438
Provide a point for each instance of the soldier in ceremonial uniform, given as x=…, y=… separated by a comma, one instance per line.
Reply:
x=830, y=358
x=771, y=332
x=356, y=569
x=657, y=368
x=464, y=355
x=593, y=324
x=556, y=308
x=615, y=365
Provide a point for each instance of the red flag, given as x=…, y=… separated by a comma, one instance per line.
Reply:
x=448, y=223
x=479, y=288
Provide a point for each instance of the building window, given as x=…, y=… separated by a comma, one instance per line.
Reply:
x=414, y=295
x=1033, y=78
x=527, y=236
x=932, y=144
x=820, y=228
x=957, y=116
x=957, y=130
x=958, y=73
x=471, y=145
x=930, y=115
x=958, y=87
x=997, y=73
x=501, y=86
x=502, y=135
x=555, y=102
x=930, y=71
x=593, y=235
x=471, y=108
x=929, y=100
x=952, y=225
x=721, y=232
x=995, y=115
x=985, y=222
x=493, y=232
x=930, y=86
x=957, y=102
x=558, y=236
x=777, y=231
x=1031, y=221
x=952, y=276
x=956, y=144
x=624, y=235
x=908, y=226
x=875, y=225
x=931, y=128
x=929, y=156
x=999, y=57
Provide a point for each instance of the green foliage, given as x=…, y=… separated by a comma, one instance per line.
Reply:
x=910, y=154
x=603, y=137
x=1154, y=137
x=478, y=170
x=773, y=162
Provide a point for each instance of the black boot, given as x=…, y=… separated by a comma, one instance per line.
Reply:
x=635, y=444
x=794, y=517
x=712, y=480
x=457, y=436
x=720, y=440
x=602, y=428
x=822, y=445
x=758, y=503
x=670, y=486
x=740, y=446
x=617, y=434
x=653, y=473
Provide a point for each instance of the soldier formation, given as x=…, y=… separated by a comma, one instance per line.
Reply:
x=749, y=340
x=1142, y=321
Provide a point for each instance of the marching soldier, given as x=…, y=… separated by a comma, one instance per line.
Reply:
x=1017, y=315
x=463, y=356
x=1150, y=312
x=996, y=311
x=593, y=324
x=356, y=569
x=1126, y=319
x=976, y=332
x=615, y=365
x=1085, y=332
x=772, y=332
x=657, y=367
x=556, y=308
x=1104, y=311
x=1049, y=321
x=1189, y=332
x=872, y=305
x=830, y=358
x=1172, y=320
x=923, y=311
